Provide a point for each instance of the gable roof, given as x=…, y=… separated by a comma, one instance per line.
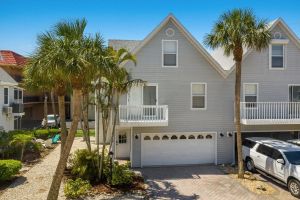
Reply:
x=185, y=32
x=10, y=58
x=6, y=79
x=228, y=63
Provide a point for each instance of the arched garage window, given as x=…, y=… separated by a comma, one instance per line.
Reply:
x=182, y=137
x=200, y=137
x=191, y=137
x=156, y=138
x=208, y=136
x=147, y=137
x=165, y=137
x=174, y=137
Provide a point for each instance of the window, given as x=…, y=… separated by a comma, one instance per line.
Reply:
x=182, y=137
x=276, y=155
x=277, y=56
x=250, y=94
x=198, y=93
x=18, y=94
x=265, y=150
x=156, y=138
x=122, y=139
x=165, y=137
x=248, y=143
x=6, y=97
x=294, y=93
x=147, y=138
x=208, y=137
x=191, y=137
x=174, y=137
x=169, y=49
x=200, y=137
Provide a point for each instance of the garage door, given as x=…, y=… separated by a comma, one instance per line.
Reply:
x=177, y=148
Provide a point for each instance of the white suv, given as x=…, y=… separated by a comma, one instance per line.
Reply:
x=276, y=158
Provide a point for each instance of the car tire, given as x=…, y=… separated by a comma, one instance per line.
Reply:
x=294, y=187
x=250, y=165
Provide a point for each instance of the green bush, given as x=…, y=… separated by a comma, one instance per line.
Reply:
x=9, y=168
x=83, y=164
x=76, y=188
x=42, y=134
x=122, y=175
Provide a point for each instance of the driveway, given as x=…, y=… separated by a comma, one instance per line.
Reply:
x=196, y=182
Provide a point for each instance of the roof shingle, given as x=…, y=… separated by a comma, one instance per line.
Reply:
x=11, y=58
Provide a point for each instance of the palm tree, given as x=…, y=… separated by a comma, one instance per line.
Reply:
x=236, y=31
x=21, y=140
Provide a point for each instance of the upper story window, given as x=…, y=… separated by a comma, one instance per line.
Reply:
x=170, y=53
x=18, y=94
x=198, y=96
x=250, y=94
x=6, y=96
x=277, y=52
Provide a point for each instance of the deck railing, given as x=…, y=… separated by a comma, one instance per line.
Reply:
x=276, y=112
x=143, y=113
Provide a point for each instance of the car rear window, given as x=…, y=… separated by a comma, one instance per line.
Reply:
x=248, y=143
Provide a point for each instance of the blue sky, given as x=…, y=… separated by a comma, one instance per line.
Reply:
x=21, y=21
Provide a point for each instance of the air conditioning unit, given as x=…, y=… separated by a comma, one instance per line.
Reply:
x=7, y=110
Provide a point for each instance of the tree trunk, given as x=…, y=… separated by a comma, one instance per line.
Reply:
x=56, y=182
x=22, y=152
x=63, y=126
x=114, y=123
x=238, y=72
x=85, y=127
x=53, y=107
x=45, y=110
x=97, y=138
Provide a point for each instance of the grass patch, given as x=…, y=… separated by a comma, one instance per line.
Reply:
x=79, y=133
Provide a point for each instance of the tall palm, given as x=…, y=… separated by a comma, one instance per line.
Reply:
x=236, y=31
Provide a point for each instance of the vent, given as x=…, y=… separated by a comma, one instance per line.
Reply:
x=170, y=32
x=277, y=35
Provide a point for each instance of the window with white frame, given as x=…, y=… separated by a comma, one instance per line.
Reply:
x=169, y=49
x=198, y=95
x=277, y=56
x=250, y=94
x=6, y=96
x=18, y=94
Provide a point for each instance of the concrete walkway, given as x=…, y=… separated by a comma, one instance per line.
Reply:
x=34, y=185
x=197, y=182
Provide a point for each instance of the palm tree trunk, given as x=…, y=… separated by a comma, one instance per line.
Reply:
x=53, y=107
x=45, y=109
x=238, y=72
x=85, y=127
x=114, y=123
x=56, y=182
x=22, y=152
x=63, y=126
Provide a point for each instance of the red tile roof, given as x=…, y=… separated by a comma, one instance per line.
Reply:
x=11, y=58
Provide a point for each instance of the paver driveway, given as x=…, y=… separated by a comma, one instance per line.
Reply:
x=195, y=182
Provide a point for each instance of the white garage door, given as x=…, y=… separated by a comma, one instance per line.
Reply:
x=177, y=148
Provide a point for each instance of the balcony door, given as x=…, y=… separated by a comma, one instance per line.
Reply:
x=294, y=96
x=150, y=99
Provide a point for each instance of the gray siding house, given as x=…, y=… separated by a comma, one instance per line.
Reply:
x=185, y=112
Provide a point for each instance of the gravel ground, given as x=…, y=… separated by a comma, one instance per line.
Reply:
x=34, y=184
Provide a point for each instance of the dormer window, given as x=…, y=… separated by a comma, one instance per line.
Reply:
x=278, y=54
x=170, y=50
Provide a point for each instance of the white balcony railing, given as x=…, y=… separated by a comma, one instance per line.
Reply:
x=270, y=113
x=144, y=115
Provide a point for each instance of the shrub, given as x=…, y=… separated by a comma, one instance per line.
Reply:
x=83, y=164
x=76, y=188
x=42, y=134
x=121, y=175
x=21, y=141
x=9, y=168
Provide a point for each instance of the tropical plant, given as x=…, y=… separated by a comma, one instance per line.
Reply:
x=9, y=168
x=76, y=188
x=21, y=140
x=236, y=31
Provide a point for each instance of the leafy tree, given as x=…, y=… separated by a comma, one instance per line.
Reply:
x=236, y=31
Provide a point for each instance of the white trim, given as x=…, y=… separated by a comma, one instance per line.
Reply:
x=191, y=96
x=284, y=46
x=257, y=91
x=162, y=53
x=216, y=148
x=5, y=87
x=131, y=142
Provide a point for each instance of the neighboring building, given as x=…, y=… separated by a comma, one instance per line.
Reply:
x=11, y=102
x=185, y=114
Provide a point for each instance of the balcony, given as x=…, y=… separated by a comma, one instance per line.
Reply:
x=267, y=113
x=143, y=116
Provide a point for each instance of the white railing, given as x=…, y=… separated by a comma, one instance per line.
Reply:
x=270, y=112
x=146, y=114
